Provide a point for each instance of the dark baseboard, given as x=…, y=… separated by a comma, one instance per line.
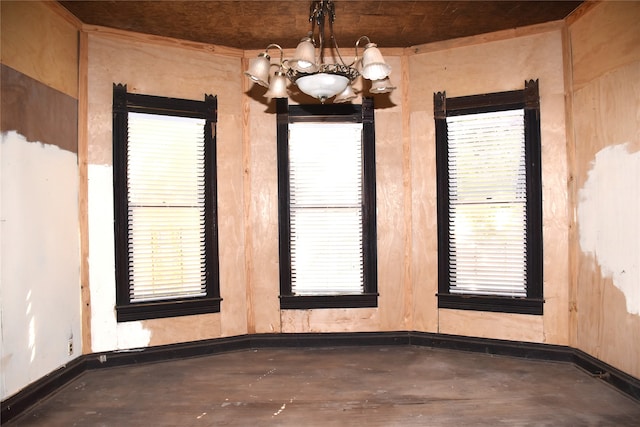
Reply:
x=329, y=339
x=40, y=389
x=613, y=376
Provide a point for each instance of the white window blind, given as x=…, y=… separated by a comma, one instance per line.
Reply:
x=166, y=193
x=325, y=178
x=487, y=204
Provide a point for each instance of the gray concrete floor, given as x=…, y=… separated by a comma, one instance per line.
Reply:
x=368, y=386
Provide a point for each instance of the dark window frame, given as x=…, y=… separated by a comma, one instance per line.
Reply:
x=529, y=100
x=328, y=113
x=123, y=103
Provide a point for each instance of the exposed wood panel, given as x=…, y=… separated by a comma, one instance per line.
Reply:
x=253, y=25
x=331, y=320
x=407, y=198
x=606, y=66
x=571, y=189
x=424, y=255
x=506, y=326
x=246, y=192
x=41, y=44
x=262, y=226
x=605, y=329
x=555, y=210
x=503, y=64
x=166, y=68
x=151, y=68
x=231, y=224
x=393, y=283
x=183, y=329
x=600, y=45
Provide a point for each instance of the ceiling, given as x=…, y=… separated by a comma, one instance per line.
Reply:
x=253, y=24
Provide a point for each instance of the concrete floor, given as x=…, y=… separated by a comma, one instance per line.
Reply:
x=372, y=386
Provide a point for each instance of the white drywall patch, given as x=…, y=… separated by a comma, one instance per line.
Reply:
x=101, y=259
x=133, y=335
x=40, y=300
x=609, y=219
x=106, y=333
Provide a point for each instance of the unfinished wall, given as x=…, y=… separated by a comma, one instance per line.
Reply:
x=41, y=149
x=393, y=309
x=170, y=68
x=405, y=162
x=605, y=59
x=483, y=64
x=39, y=282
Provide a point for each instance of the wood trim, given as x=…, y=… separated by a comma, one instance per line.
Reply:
x=49, y=384
x=580, y=11
x=407, y=202
x=485, y=38
x=123, y=103
x=282, y=160
x=530, y=305
x=370, y=231
x=290, y=302
x=527, y=99
x=246, y=201
x=574, y=243
x=83, y=188
x=63, y=13
x=341, y=113
x=172, y=308
x=161, y=41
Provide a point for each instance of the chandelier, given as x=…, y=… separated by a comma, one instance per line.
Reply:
x=308, y=70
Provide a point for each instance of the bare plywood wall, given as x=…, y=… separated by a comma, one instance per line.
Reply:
x=605, y=46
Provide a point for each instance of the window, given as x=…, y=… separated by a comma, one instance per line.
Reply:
x=165, y=206
x=489, y=201
x=326, y=185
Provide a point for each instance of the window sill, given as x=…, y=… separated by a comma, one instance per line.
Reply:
x=291, y=302
x=162, y=309
x=491, y=303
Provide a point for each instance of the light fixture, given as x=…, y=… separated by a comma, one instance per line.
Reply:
x=381, y=86
x=308, y=70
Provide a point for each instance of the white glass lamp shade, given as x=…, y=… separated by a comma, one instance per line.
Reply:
x=304, y=59
x=346, y=95
x=373, y=65
x=278, y=86
x=381, y=86
x=322, y=85
x=258, y=70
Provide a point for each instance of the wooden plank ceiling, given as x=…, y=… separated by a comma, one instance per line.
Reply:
x=254, y=24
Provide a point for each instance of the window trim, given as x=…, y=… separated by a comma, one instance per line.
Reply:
x=529, y=100
x=124, y=103
x=328, y=113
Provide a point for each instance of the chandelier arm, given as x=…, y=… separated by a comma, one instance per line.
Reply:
x=313, y=13
x=355, y=59
x=333, y=37
x=277, y=46
x=314, y=10
x=320, y=18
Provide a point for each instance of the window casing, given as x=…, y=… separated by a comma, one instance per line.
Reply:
x=166, y=247
x=313, y=201
x=489, y=201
